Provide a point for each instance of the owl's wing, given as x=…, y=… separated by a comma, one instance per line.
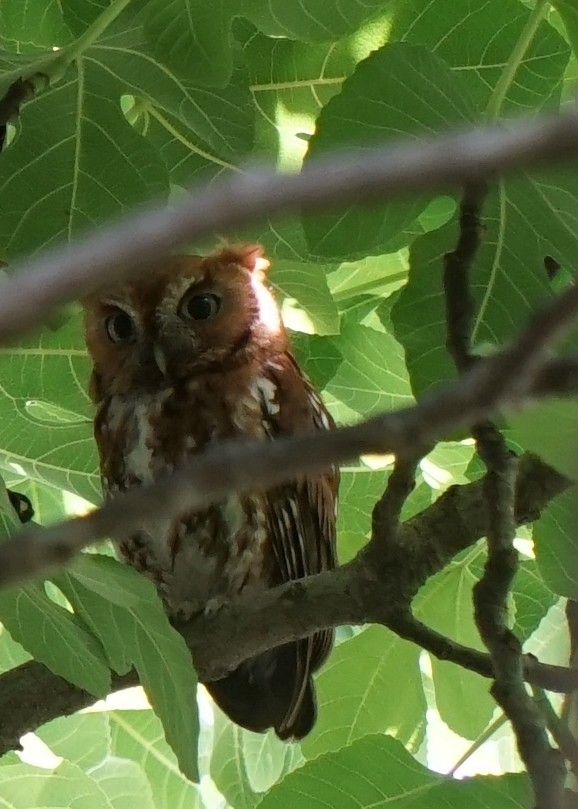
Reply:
x=301, y=520
x=302, y=513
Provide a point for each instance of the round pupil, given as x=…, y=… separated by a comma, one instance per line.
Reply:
x=119, y=326
x=201, y=307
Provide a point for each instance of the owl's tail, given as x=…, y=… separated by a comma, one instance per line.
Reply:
x=274, y=690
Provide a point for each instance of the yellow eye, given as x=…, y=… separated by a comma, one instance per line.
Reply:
x=200, y=306
x=120, y=327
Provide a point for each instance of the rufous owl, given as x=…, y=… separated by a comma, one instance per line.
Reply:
x=191, y=354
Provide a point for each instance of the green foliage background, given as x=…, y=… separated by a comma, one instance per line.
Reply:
x=141, y=99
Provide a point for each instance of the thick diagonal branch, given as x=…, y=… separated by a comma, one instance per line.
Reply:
x=52, y=279
x=31, y=695
x=486, y=388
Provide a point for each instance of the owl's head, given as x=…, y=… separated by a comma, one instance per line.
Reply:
x=189, y=315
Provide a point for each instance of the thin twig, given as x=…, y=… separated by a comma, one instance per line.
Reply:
x=558, y=728
x=50, y=280
x=544, y=764
x=407, y=626
x=458, y=298
x=385, y=518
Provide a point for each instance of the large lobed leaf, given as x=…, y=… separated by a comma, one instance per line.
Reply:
x=121, y=608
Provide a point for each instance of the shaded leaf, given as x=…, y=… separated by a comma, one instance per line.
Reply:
x=385, y=99
x=556, y=543
x=140, y=634
x=45, y=411
x=524, y=219
x=55, y=637
x=372, y=376
x=477, y=39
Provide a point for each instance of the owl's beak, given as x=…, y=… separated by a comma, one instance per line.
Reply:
x=160, y=358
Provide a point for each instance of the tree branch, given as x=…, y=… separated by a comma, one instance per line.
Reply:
x=42, y=284
x=505, y=378
x=31, y=695
x=458, y=298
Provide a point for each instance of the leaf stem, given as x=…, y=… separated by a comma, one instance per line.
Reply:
x=507, y=78
x=370, y=286
x=94, y=31
x=487, y=734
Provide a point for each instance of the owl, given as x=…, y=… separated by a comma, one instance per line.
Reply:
x=191, y=354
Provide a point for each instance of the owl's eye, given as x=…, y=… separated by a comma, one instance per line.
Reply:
x=120, y=327
x=199, y=307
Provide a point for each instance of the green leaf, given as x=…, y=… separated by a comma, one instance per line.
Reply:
x=228, y=769
x=374, y=771
x=556, y=544
x=91, y=164
x=106, y=578
x=307, y=284
x=311, y=20
x=377, y=275
x=124, y=784
x=32, y=25
x=360, y=489
x=550, y=430
x=445, y=604
x=188, y=32
x=477, y=39
x=55, y=637
x=45, y=411
x=23, y=786
x=81, y=13
x=532, y=598
x=223, y=119
x=371, y=683
x=447, y=464
x=569, y=13
x=83, y=739
x=12, y=654
x=318, y=356
x=138, y=735
x=372, y=376
x=140, y=634
x=267, y=759
x=524, y=219
x=188, y=161
x=399, y=90
x=290, y=83
x=489, y=792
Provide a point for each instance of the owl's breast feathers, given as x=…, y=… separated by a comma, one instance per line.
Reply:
x=246, y=542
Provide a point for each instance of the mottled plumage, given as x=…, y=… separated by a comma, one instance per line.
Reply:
x=191, y=354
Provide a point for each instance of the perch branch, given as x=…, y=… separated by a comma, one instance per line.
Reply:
x=31, y=695
x=40, y=285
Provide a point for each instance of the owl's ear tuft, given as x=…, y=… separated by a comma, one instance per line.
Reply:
x=251, y=256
